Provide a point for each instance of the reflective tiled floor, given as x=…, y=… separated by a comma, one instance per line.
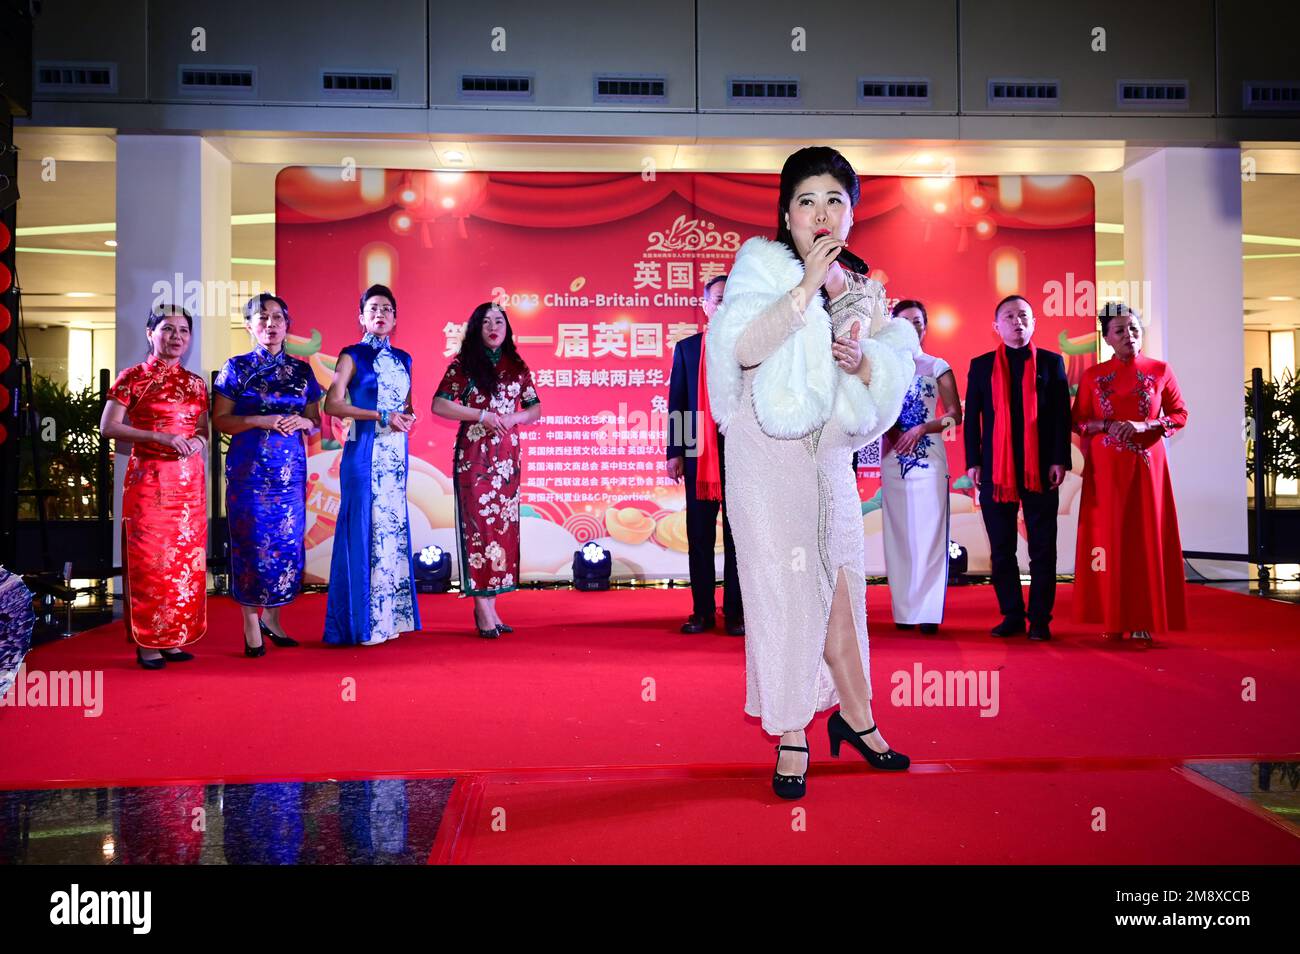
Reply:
x=378, y=822
x=1273, y=786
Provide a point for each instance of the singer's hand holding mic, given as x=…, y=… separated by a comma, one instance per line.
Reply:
x=817, y=263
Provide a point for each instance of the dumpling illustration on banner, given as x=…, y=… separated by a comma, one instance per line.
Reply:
x=425, y=197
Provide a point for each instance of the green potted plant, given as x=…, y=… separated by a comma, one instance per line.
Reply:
x=1281, y=410
x=1280, y=426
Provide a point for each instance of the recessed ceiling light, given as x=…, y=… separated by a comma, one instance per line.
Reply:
x=111, y=243
x=80, y=294
x=454, y=155
x=1280, y=298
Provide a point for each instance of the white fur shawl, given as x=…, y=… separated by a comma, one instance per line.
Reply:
x=800, y=388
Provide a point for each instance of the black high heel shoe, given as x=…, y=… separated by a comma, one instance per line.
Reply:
x=503, y=628
x=268, y=633
x=253, y=652
x=790, y=786
x=176, y=655
x=840, y=731
x=148, y=663
x=490, y=633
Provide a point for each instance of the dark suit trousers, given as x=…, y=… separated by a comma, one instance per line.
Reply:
x=701, y=533
x=1040, y=526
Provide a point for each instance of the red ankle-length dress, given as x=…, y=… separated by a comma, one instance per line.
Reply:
x=486, y=476
x=1128, y=569
x=164, y=509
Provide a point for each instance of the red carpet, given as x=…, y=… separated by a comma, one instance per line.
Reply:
x=929, y=818
x=562, y=697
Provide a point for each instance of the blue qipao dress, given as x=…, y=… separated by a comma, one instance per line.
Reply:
x=372, y=574
x=914, y=497
x=266, y=477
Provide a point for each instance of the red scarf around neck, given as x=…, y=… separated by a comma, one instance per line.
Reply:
x=1005, y=488
x=708, y=470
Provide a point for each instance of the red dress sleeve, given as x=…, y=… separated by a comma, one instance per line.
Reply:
x=1174, y=411
x=528, y=393
x=1083, y=410
x=454, y=384
x=123, y=387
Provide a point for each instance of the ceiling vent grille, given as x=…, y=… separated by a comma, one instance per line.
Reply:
x=631, y=89
x=1145, y=94
x=484, y=86
x=763, y=91
x=57, y=76
x=219, y=80
x=359, y=85
x=1024, y=92
x=1266, y=97
x=893, y=91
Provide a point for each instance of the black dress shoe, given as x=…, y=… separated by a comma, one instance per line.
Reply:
x=268, y=633
x=1010, y=626
x=148, y=663
x=736, y=627
x=904, y=626
x=700, y=624
x=176, y=655
x=791, y=786
x=929, y=628
x=503, y=628
x=253, y=652
x=1039, y=632
x=492, y=632
x=839, y=730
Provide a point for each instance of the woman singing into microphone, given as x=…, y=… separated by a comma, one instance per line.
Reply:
x=803, y=369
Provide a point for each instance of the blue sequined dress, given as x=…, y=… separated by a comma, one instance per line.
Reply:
x=266, y=477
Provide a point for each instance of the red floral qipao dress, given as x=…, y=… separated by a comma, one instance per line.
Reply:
x=486, y=477
x=164, y=508
x=1129, y=562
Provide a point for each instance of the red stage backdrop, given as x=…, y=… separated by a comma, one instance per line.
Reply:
x=600, y=274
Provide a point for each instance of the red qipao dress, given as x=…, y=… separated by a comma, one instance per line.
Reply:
x=486, y=477
x=1129, y=562
x=164, y=508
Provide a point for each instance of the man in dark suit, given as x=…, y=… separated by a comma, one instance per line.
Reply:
x=683, y=461
x=997, y=408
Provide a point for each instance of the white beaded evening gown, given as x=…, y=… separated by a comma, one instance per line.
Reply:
x=794, y=506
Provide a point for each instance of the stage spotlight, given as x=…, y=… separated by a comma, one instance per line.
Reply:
x=432, y=570
x=591, y=568
x=958, y=560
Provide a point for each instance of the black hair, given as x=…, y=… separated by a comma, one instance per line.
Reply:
x=805, y=164
x=474, y=353
x=1115, y=309
x=713, y=281
x=998, y=307
x=375, y=290
x=158, y=312
x=907, y=303
x=258, y=302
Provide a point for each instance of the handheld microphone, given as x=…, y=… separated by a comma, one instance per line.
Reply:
x=852, y=262
x=845, y=257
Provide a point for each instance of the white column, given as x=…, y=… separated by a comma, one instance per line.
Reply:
x=173, y=246
x=1182, y=246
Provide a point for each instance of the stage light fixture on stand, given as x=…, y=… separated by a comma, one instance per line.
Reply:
x=958, y=561
x=591, y=568
x=432, y=570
